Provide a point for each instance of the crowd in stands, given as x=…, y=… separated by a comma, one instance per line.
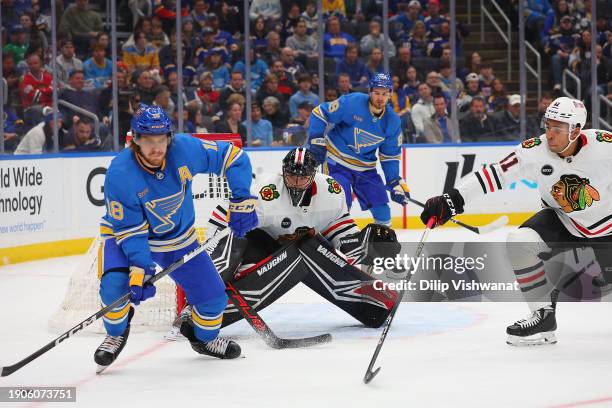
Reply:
x=284, y=68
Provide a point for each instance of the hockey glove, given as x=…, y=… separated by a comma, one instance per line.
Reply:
x=443, y=207
x=399, y=191
x=139, y=288
x=241, y=215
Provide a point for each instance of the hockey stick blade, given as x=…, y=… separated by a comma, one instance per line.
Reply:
x=268, y=336
x=369, y=375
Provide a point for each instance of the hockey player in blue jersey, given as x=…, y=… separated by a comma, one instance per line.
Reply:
x=359, y=126
x=149, y=224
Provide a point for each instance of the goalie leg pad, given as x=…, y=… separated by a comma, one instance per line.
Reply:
x=343, y=284
x=267, y=280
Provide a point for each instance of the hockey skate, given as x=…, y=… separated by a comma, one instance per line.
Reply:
x=110, y=348
x=536, y=330
x=174, y=334
x=601, y=286
x=219, y=347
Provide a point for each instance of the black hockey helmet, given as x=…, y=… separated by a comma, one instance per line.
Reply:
x=299, y=168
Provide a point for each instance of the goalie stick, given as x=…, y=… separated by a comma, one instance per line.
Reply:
x=369, y=375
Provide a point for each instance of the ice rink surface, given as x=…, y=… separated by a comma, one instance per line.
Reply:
x=436, y=354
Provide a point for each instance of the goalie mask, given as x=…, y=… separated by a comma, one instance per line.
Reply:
x=299, y=168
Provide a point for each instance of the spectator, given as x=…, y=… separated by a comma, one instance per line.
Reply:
x=258, y=35
x=400, y=102
x=104, y=39
x=270, y=10
x=477, y=126
x=81, y=24
x=311, y=16
x=165, y=10
x=221, y=37
x=98, y=69
x=13, y=129
x=199, y=14
x=146, y=87
x=10, y=74
x=229, y=17
x=445, y=58
x=163, y=99
x=261, y=129
x=331, y=94
x=142, y=55
x=39, y=139
x=438, y=128
x=422, y=109
x=158, y=37
x=270, y=88
x=81, y=137
x=286, y=84
x=375, y=39
x=559, y=47
x=472, y=65
x=127, y=97
x=35, y=87
x=335, y=8
x=553, y=20
x=536, y=12
x=140, y=9
x=291, y=19
x=143, y=25
x=498, y=100
x=472, y=89
x=188, y=97
x=303, y=45
x=445, y=79
x=400, y=64
x=434, y=20
x=335, y=42
x=32, y=34
x=291, y=66
x=304, y=94
x=18, y=45
x=219, y=71
x=353, y=66
x=581, y=52
x=207, y=45
x=208, y=96
x=231, y=123
x=273, y=48
x=486, y=78
x=411, y=86
x=375, y=63
x=259, y=70
x=195, y=121
x=295, y=133
x=67, y=62
x=404, y=22
x=435, y=83
x=191, y=38
x=603, y=75
x=538, y=120
x=344, y=84
x=273, y=113
x=417, y=41
x=75, y=94
x=236, y=86
x=509, y=121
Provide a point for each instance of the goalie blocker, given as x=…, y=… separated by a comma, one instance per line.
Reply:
x=312, y=260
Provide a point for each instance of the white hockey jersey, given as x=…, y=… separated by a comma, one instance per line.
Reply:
x=323, y=208
x=578, y=187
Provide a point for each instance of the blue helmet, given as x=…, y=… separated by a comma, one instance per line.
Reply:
x=151, y=120
x=381, y=80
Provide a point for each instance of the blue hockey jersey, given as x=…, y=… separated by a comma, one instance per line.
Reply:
x=153, y=211
x=357, y=134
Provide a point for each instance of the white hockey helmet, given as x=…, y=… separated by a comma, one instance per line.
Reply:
x=567, y=110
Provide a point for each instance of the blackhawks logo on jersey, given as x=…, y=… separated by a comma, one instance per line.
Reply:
x=334, y=187
x=533, y=142
x=574, y=193
x=604, y=137
x=269, y=193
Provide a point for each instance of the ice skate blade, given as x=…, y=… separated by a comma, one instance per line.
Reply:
x=174, y=334
x=100, y=368
x=540, y=339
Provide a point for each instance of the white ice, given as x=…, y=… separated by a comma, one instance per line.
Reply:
x=436, y=354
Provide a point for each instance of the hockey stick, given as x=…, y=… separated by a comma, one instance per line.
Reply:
x=8, y=370
x=483, y=229
x=268, y=336
x=369, y=375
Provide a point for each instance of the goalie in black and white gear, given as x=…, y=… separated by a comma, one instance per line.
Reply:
x=573, y=168
x=304, y=223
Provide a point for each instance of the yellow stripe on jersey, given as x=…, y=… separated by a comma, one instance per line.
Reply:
x=101, y=259
x=319, y=113
x=180, y=242
x=138, y=230
x=383, y=157
x=206, y=323
x=350, y=160
x=118, y=314
x=231, y=156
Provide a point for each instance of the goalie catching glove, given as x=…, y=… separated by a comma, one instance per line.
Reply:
x=241, y=215
x=375, y=240
x=399, y=191
x=140, y=289
x=443, y=207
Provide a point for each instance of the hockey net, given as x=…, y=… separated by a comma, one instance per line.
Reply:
x=82, y=298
